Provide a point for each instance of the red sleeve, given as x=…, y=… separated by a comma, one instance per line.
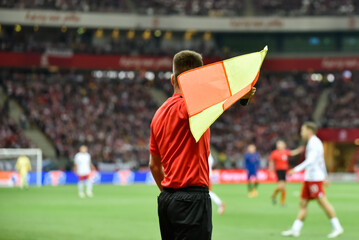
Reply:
x=153, y=145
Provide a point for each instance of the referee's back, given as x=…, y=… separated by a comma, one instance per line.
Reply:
x=185, y=162
x=179, y=165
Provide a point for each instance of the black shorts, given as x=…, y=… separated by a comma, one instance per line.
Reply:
x=185, y=213
x=281, y=175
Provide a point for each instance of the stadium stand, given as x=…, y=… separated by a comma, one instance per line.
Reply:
x=294, y=97
x=151, y=7
x=306, y=7
x=112, y=118
x=193, y=8
x=343, y=110
x=215, y=8
x=69, y=5
x=50, y=39
x=67, y=109
x=11, y=135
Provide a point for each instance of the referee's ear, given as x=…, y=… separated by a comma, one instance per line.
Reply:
x=173, y=79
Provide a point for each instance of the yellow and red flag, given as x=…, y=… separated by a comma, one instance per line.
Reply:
x=210, y=90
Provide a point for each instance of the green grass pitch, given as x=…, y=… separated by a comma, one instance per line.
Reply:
x=129, y=213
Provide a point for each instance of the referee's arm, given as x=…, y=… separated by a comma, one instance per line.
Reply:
x=156, y=169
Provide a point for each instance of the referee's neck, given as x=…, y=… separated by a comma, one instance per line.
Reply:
x=176, y=90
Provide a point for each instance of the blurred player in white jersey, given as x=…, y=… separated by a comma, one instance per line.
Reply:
x=315, y=175
x=23, y=166
x=83, y=167
x=220, y=204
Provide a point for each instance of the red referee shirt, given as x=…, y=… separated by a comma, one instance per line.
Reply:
x=184, y=161
x=280, y=159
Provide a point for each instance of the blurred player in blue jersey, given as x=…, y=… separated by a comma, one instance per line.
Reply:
x=251, y=159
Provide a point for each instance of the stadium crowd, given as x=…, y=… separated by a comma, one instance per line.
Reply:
x=343, y=109
x=219, y=8
x=148, y=7
x=69, y=5
x=282, y=102
x=11, y=135
x=112, y=118
x=52, y=39
x=306, y=7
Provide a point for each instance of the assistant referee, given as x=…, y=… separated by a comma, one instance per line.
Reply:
x=179, y=165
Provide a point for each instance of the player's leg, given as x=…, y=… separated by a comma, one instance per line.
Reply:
x=250, y=185
x=298, y=223
x=221, y=205
x=302, y=213
x=23, y=176
x=256, y=182
x=89, y=187
x=26, y=183
x=330, y=211
x=303, y=210
x=274, y=194
x=80, y=186
x=282, y=186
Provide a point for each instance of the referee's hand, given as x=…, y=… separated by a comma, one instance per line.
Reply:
x=250, y=93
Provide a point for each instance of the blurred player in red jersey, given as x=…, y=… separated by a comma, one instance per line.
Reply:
x=278, y=162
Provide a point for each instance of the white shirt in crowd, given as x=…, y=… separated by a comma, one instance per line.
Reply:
x=83, y=161
x=314, y=164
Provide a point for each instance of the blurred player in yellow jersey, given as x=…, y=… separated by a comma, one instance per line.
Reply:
x=23, y=166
